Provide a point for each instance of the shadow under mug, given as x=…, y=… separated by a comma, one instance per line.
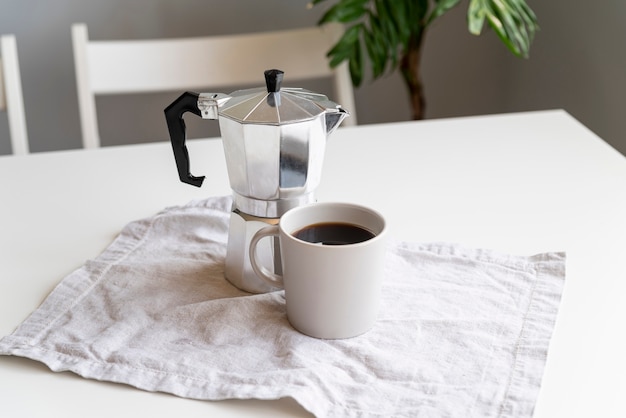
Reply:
x=331, y=291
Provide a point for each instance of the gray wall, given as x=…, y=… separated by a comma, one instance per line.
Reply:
x=577, y=63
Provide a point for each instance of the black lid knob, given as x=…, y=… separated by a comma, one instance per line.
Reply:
x=273, y=78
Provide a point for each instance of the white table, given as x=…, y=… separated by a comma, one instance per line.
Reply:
x=520, y=183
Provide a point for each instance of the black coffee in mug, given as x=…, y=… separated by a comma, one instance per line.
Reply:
x=333, y=233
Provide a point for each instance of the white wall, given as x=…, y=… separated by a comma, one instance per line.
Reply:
x=576, y=63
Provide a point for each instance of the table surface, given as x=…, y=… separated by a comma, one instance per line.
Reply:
x=520, y=183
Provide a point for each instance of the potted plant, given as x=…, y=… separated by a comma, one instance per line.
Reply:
x=391, y=34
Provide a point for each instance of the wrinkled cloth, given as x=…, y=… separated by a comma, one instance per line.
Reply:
x=461, y=333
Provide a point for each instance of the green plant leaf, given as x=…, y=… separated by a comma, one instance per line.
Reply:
x=356, y=65
x=476, y=14
x=529, y=16
x=441, y=7
x=399, y=13
x=513, y=25
x=345, y=11
x=512, y=21
x=389, y=30
x=377, y=52
x=344, y=48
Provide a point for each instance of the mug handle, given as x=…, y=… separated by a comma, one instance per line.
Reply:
x=268, y=276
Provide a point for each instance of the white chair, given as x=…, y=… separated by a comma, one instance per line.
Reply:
x=11, y=98
x=119, y=67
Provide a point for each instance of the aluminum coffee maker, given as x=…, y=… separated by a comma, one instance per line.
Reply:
x=274, y=141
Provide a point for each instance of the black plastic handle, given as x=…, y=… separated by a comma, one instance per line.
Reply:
x=187, y=102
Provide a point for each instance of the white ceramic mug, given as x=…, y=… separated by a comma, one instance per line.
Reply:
x=331, y=291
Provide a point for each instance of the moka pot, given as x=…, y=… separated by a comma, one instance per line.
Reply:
x=274, y=141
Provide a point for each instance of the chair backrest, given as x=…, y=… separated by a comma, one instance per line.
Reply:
x=118, y=67
x=11, y=98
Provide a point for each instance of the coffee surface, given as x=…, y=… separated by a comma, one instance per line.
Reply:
x=333, y=233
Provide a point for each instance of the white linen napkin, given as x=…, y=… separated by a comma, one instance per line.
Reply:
x=462, y=332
